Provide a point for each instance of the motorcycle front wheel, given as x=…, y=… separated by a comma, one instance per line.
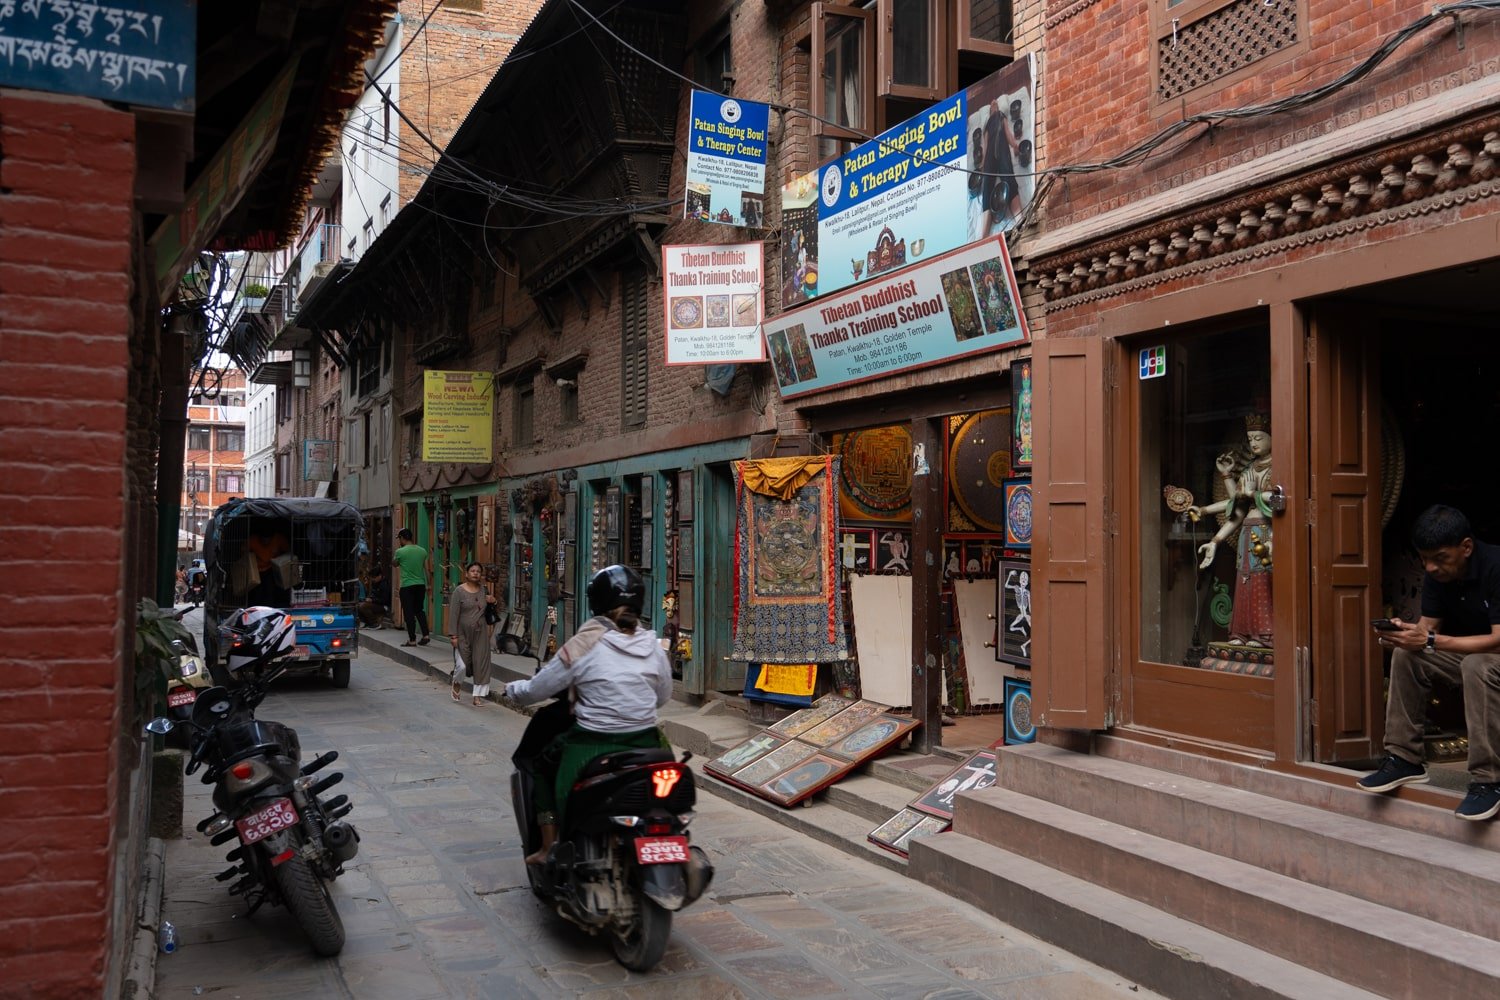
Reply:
x=640, y=946
x=306, y=896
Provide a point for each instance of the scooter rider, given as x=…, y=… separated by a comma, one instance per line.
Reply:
x=620, y=677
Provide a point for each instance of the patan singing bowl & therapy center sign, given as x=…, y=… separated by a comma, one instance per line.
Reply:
x=961, y=303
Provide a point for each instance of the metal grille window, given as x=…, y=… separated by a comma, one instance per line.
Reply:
x=635, y=324
x=1201, y=43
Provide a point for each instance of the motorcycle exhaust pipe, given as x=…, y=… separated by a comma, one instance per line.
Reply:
x=699, y=872
x=342, y=841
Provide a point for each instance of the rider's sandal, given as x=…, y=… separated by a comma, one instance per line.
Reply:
x=478, y=702
x=455, y=693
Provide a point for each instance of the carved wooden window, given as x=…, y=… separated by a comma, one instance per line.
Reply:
x=985, y=26
x=843, y=91
x=713, y=60
x=635, y=326
x=913, y=49
x=524, y=411
x=1201, y=45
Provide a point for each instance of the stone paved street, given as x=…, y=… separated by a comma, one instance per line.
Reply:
x=436, y=904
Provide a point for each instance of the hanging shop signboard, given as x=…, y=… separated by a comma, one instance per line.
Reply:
x=318, y=457
x=958, y=172
x=713, y=302
x=458, y=417
x=143, y=52
x=961, y=303
x=726, y=163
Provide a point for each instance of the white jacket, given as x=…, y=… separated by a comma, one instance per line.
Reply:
x=619, y=679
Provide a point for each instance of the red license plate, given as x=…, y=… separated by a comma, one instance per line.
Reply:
x=178, y=697
x=260, y=824
x=661, y=850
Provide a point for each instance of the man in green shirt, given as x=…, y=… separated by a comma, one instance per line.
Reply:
x=415, y=567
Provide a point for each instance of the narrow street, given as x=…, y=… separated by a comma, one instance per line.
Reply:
x=436, y=904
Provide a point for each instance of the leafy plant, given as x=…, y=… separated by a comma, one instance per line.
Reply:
x=155, y=660
x=255, y=290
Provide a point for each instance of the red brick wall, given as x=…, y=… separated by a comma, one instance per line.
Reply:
x=1098, y=78
x=66, y=167
x=447, y=68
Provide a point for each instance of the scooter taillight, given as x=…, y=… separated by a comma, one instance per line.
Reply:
x=664, y=779
x=658, y=829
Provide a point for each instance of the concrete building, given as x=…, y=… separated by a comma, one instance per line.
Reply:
x=214, y=453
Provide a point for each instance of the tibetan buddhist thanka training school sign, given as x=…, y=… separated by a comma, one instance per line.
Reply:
x=726, y=163
x=713, y=303
x=458, y=422
x=964, y=302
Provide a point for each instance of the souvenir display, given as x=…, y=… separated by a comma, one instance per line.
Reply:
x=787, y=755
x=875, y=474
x=932, y=811
x=1021, y=436
x=843, y=724
x=744, y=753
x=1018, y=725
x=796, y=783
x=978, y=465
x=872, y=737
x=1013, y=612
x=800, y=722
x=1018, y=513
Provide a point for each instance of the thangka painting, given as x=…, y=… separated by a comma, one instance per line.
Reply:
x=1019, y=727
x=978, y=466
x=1014, y=613
x=932, y=811
x=1017, y=493
x=788, y=567
x=1020, y=394
x=875, y=474
x=811, y=749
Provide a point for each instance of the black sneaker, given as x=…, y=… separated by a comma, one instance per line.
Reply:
x=424, y=640
x=1482, y=802
x=1393, y=773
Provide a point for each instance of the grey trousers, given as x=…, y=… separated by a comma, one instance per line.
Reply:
x=1412, y=679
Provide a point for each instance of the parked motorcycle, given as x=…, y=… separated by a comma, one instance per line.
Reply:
x=622, y=863
x=192, y=677
x=291, y=843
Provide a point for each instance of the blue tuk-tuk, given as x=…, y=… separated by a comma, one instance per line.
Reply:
x=300, y=554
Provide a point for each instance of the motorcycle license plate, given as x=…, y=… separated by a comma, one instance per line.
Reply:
x=265, y=821
x=661, y=850
x=178, y=697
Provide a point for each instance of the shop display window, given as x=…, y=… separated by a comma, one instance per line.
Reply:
x=1205, y=498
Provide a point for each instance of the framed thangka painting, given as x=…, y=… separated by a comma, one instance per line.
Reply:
x=875, y=474
x=1019, y=727
x=978, y=465
x=1020, y=394
x=1013, y=612
x=1017, y=494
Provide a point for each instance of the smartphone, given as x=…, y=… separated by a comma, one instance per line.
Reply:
x=1385, y=625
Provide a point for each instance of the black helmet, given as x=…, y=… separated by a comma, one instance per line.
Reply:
x=614, y=587
x=259, y=636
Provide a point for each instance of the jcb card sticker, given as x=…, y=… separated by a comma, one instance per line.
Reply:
x=1153, y=362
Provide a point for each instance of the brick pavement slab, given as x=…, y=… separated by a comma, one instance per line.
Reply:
x=437, y=905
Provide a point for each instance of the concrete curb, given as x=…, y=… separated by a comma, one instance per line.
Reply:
x=140, y=976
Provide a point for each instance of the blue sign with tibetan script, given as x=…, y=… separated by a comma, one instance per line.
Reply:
x=141, y=52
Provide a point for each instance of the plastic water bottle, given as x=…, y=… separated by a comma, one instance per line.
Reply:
x=168, y=937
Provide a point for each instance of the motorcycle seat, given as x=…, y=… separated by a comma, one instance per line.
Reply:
x=623, y=759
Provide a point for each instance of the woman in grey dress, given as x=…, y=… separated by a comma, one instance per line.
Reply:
x=469, y=632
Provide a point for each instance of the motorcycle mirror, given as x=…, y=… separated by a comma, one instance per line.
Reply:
x=160, y=727
x=179, y=647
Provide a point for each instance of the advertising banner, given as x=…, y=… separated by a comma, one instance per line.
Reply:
x=318, y=457
x=960, y=303
x=726, y=163
x=714, y=302
x=458, y=423
x=958, y=172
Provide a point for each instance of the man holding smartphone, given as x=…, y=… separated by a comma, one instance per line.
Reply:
x=1456, y=642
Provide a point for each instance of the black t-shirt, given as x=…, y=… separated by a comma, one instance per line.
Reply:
x=1469, y=605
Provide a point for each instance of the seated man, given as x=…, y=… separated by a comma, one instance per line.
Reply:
x=1457, y=642
x=375, y=607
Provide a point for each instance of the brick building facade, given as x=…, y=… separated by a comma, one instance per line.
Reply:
x=214, y=455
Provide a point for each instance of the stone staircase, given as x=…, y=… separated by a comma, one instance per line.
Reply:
x=1201, y=878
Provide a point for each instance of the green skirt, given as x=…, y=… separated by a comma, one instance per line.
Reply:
x=571, y=752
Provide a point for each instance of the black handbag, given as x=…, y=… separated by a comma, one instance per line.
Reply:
x=491, y=613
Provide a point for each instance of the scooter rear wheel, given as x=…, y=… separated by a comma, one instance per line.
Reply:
x=645, y=941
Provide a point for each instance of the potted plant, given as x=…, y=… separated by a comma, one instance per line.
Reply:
x=255, y=295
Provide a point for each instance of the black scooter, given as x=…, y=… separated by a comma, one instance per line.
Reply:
x=291, y=842
x=622, y=863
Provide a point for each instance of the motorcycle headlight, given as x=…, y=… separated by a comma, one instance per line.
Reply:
x=190, y=668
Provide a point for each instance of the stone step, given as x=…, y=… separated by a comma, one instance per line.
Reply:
x=1370, y=860
x=1379, y=948
x=1337, y=793
x=1161, y=952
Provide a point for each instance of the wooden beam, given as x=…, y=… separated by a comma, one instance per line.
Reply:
x=927, y=643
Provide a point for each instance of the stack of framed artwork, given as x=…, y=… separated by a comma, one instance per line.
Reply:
x=809, y=750
x=932, y=811
x=1013, y=594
